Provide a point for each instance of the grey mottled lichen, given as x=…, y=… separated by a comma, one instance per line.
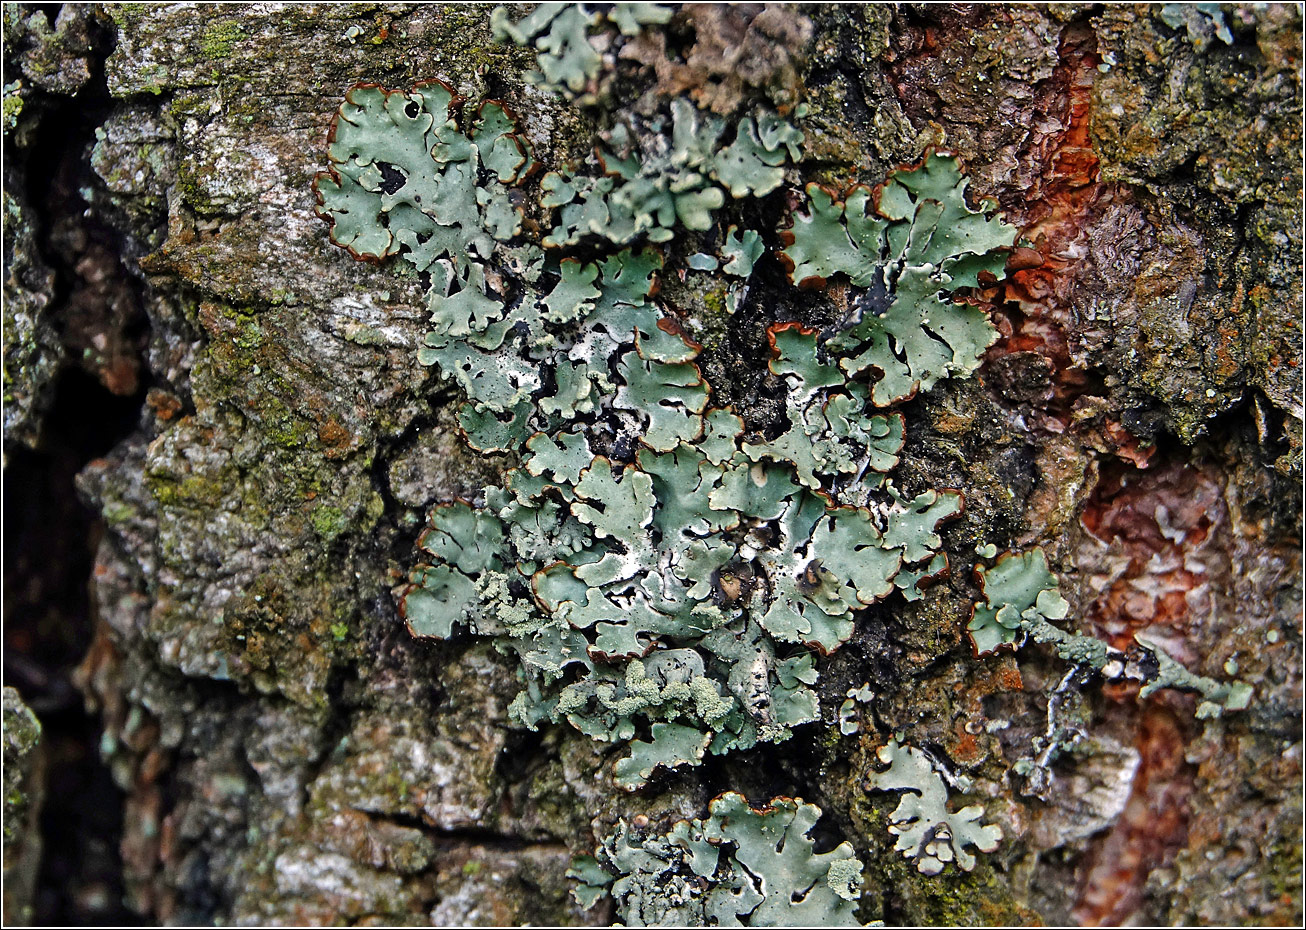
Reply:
x=741, y=866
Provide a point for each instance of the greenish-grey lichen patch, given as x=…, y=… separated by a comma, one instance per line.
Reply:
x=655, y=176
x=741, y=866
x=1203, y=22
x=910, y=240
x=1217, y=696
x=582, y=566
x=663, y=577
x=405, y=177
x=1023, y=598
x=928, y=832
x=569, y=62
x=1016, y=584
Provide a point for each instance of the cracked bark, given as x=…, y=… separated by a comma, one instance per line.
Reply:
x=286, y=752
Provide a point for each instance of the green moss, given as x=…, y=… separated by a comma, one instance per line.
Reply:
x=154, y=79
x=285, y=428
x=117, y=512
x=195, y=492
x=465, y=38
x=715, y=318
x=192, y=192
x=220, y=38
x=373, y=510
x=832, y=148
x=187, y=104
x=329, y=522
x=248, y=336
x=1285, y=867
x=249, y=376
x=1189, y=422
x=964, y=899
x=278, y=296
x=951, y=899
x=287, y=628
x=124, y=14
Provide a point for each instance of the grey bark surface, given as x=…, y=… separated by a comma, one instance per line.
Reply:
x=288, y=753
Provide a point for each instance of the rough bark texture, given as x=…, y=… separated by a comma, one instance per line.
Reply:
x=287, y=752
x=24, y=794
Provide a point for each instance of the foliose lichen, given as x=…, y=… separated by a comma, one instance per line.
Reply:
x=928, y=833
x=848, y=724
x=617, y=576
x=666, y=576
x=909, y=242
x=404, y=178
x=741, y=866
x=1022, y=598
x=1017, y=584
x=1203, y=22
x=569, y=63
x=669, y=173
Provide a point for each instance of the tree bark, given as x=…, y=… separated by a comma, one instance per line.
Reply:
x=288, y=752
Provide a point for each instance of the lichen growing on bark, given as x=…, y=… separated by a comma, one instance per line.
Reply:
x=740, y=866
x=289, y=452
x=581, y=563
